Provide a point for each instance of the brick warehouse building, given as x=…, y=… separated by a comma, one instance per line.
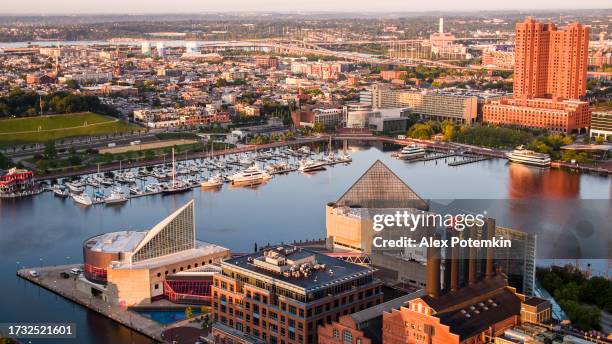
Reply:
x=549, y=79
x=282, y=295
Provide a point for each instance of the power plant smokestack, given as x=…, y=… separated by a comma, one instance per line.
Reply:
x=473, y=256
x=490, y=270
x=441, y=28
x=454, y=269
x=433, y=270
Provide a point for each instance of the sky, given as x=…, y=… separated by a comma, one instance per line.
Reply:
x=195, y=6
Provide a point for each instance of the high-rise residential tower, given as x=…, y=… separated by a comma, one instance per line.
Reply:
x=549, y=79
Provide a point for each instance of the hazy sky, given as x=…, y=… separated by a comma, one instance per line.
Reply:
x=193, y=6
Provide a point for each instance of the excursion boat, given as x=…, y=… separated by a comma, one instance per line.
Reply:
x=525, y=156
x=411, y=152
x=311, y=165
x=82, y=199
x=251, y=175
x=212, y=182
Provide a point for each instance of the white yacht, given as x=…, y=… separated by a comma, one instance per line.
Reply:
x=277, y=167
x=251, y=175
x=212, y=182
x=304, y=150
x=82, y=199
x=60, y=191
x=246, y=161
x=152, y=188
x=134, y=190
x=524, y=156
x=115, y=197
x=311, y=165
x=345, y=157
x=75, y=187
x=411, y=152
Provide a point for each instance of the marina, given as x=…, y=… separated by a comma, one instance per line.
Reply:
x=238, y=217
x=116, y=187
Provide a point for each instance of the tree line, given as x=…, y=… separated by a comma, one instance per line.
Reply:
x=22, y=103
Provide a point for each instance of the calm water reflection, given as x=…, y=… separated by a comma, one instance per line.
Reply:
x=46, y=230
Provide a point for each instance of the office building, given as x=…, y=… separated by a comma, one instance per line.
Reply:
x=549, y=80
x=601, y=125
x=133, y=267
x=456, y=107
x=283, y=294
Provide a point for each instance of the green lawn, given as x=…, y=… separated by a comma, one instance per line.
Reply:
x=56, y=127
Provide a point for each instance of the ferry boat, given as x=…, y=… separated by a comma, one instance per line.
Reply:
x=115, y=197
x=311, y=165
x=212, y=182
x=82, y=199
x=251, y=175
x=411, y=152
x=524, y=156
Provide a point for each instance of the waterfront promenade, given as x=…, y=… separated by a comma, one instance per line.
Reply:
x=51, y=280
x=604, y=169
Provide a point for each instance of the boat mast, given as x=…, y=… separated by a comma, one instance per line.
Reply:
x=173, y=169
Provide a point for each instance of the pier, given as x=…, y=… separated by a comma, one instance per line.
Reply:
x=51, y=280
x=469, y=160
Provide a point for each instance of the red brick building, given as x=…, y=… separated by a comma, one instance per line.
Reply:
x=283, y=295
x=549, y=79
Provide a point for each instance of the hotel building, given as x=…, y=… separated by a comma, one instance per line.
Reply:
x=440, y=106
x=549, y=79
x=135, y=267
x=283, y=294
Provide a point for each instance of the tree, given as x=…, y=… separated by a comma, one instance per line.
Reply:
x=599, y=140
x=420, y=131
x=50, y=152
x=5, y=162
x=319, y=127
x=188, y=312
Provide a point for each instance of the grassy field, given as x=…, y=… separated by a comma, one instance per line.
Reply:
x=56, y=127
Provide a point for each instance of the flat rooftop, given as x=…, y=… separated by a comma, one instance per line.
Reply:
x=336, y=270
x=115, y=242
x=202, y=249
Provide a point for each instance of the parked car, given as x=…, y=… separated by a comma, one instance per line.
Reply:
x=34, y=273
x=76, y=271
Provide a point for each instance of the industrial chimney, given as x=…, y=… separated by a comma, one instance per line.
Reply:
x=441, y=28
x=433, y=270
x=490, y=270
x=472, y=259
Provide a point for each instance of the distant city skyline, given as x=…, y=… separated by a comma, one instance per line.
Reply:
x=190, y=6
